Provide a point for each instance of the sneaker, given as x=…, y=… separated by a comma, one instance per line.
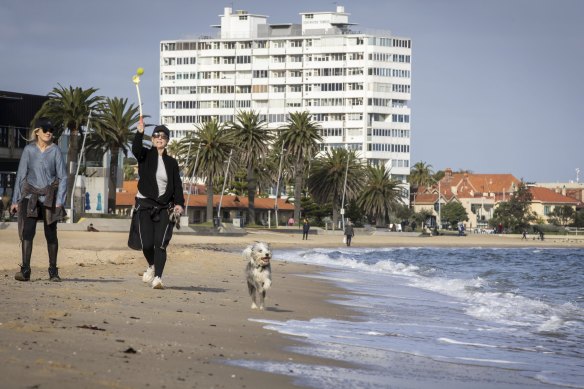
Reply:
x=148, y=275
x=157, y=283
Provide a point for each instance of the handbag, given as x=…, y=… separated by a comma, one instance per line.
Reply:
x=134, y=238
x=345, y=239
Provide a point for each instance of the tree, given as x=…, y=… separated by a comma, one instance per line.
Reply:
x=562, y=216
x=326, y=181
x=114, y=130
x=381, y=194
x=421, y=174
x=254, y=141
x=216, y=143
x=516, y=213
x=130, y=169
x=173, y=148
x=300, y=139
x=579, y=218
x=68, y=109
x=453, y=213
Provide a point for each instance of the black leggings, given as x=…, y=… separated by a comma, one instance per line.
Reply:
x=155, y=236
x=29, y=226
x=349, y=237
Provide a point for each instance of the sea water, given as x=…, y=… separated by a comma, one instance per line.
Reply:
x=510, y=310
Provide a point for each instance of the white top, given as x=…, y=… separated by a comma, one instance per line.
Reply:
x=161, y=179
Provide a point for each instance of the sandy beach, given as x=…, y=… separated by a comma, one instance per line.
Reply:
x=103, y=327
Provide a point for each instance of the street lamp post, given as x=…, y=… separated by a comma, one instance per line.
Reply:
x=224, y=183
x=191, y=182
x=439, y=205
x=344, y=191
x=278, y=185
x=72, y=218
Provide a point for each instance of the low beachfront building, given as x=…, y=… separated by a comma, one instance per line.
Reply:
x=233, y=207
x=480, y=194
x=546, y=200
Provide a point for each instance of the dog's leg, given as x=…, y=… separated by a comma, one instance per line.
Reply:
x=262, y=297
x=252, y=293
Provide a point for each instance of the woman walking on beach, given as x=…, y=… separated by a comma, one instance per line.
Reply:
x=39, y=194
x=159, y=194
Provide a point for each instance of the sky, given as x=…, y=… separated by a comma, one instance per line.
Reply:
x=497, y=85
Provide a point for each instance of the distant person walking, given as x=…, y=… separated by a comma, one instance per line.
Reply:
x=39, y=194
x=349, y=232
x=305, y=229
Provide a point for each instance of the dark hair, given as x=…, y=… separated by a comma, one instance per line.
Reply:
x=44, y=123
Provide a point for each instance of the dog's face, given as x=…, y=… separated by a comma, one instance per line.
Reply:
x=259, y=253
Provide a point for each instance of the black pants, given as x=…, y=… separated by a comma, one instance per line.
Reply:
x=30, y=223
x=349, y=237
x=305, y=235
x=155, y=237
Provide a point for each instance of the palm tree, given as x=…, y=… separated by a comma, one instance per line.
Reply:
x=254, y=141
x=421, y=175
x=300, y=139
x=69, y=108
x=173, y=148
x=114, y=132
x=380, y=195
x=215, y=142
x=326, y=182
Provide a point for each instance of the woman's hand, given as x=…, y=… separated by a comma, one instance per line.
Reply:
x=141, y=125
x=14, y=208
x=179, y=209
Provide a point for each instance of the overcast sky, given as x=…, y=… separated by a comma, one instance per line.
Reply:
x=497, y=85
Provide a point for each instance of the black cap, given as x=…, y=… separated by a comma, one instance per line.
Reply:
x=44, y=123
x=162, y=128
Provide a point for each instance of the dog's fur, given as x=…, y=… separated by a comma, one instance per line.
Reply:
x=258, y=272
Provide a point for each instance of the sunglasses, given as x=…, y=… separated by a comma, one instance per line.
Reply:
x=159, y=135
x=45, y=130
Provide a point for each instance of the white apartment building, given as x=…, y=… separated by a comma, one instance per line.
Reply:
x=356, y=85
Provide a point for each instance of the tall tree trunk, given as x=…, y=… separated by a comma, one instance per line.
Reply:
x=210, y=198
x=251, y=188
x=336, y=206
x=72, y=156
x=113, y=178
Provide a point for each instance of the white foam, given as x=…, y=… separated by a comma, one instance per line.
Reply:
x=452, y=341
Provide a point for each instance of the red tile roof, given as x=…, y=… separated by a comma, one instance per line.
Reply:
x=127, y=198
x=545, y=195
x=426, y=198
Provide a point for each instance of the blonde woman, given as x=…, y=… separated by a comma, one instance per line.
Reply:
x=39, y=194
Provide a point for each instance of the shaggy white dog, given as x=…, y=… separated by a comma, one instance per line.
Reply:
x=258, y=272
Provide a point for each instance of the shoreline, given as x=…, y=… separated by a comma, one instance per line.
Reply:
x=103, y=327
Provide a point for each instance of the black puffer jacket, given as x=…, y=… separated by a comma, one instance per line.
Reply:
x=147, y=165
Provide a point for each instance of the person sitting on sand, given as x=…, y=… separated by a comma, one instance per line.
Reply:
x=91, y=228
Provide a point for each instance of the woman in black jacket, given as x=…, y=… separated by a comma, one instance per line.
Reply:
x=159, y=195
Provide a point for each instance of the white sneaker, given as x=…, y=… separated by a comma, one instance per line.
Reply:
x=148, y=275
x=157, y=283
